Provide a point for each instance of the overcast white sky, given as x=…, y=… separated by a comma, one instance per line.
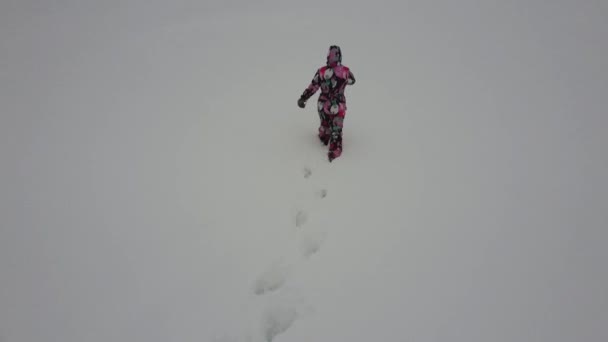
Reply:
x=159, y=183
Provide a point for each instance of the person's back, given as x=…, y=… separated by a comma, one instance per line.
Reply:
x=338, y=76
x=332, y=80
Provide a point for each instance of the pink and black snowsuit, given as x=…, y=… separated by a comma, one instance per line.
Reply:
x=332, y=79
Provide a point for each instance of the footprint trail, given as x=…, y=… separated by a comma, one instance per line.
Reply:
x=281, y=309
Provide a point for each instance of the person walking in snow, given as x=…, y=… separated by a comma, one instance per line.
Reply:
x=332, y=79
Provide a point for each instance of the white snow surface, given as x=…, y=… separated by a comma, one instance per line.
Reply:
x=159, y=183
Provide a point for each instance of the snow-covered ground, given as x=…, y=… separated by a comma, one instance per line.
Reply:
x=159, y=183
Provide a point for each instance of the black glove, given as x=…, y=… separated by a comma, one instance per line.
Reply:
x=301, y=103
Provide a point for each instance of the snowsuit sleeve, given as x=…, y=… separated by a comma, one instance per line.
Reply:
x=351, y=78
x=312, y=88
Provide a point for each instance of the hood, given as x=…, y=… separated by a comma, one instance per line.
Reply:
x=334, y=56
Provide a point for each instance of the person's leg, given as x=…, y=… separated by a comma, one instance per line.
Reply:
x=324, y=126
x=336, y=126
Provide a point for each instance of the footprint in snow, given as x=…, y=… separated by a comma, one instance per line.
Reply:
x=307, y=172
x=311, y=243
x=271, y=280
x=277, y=320
x=322, y=193
x=301, y=218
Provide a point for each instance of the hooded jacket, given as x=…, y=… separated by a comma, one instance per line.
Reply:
x=332, y=80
